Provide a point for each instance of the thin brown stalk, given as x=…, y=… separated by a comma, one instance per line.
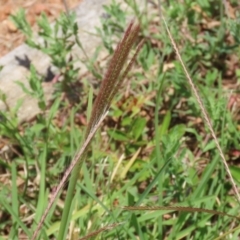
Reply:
x=178, y=209
x=203, y=110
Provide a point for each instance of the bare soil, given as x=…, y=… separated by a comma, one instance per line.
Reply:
x=10, y=36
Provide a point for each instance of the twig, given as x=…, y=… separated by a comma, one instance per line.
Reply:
x=66, y=6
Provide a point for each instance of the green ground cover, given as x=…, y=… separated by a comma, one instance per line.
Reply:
x=153, y=148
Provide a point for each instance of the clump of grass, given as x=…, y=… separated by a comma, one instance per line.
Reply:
x=204, y=112
x=111, y=83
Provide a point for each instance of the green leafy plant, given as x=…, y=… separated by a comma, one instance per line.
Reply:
x=57, y=42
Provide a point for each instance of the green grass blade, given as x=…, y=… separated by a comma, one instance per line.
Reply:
x=15, y=202
x=9, y=208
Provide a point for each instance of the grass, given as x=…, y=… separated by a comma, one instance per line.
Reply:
x=153, y=150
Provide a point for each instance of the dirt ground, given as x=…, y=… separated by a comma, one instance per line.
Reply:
x=10, y=37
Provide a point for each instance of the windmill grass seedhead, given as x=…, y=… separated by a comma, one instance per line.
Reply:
x=113, y=77
x=109, y=87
